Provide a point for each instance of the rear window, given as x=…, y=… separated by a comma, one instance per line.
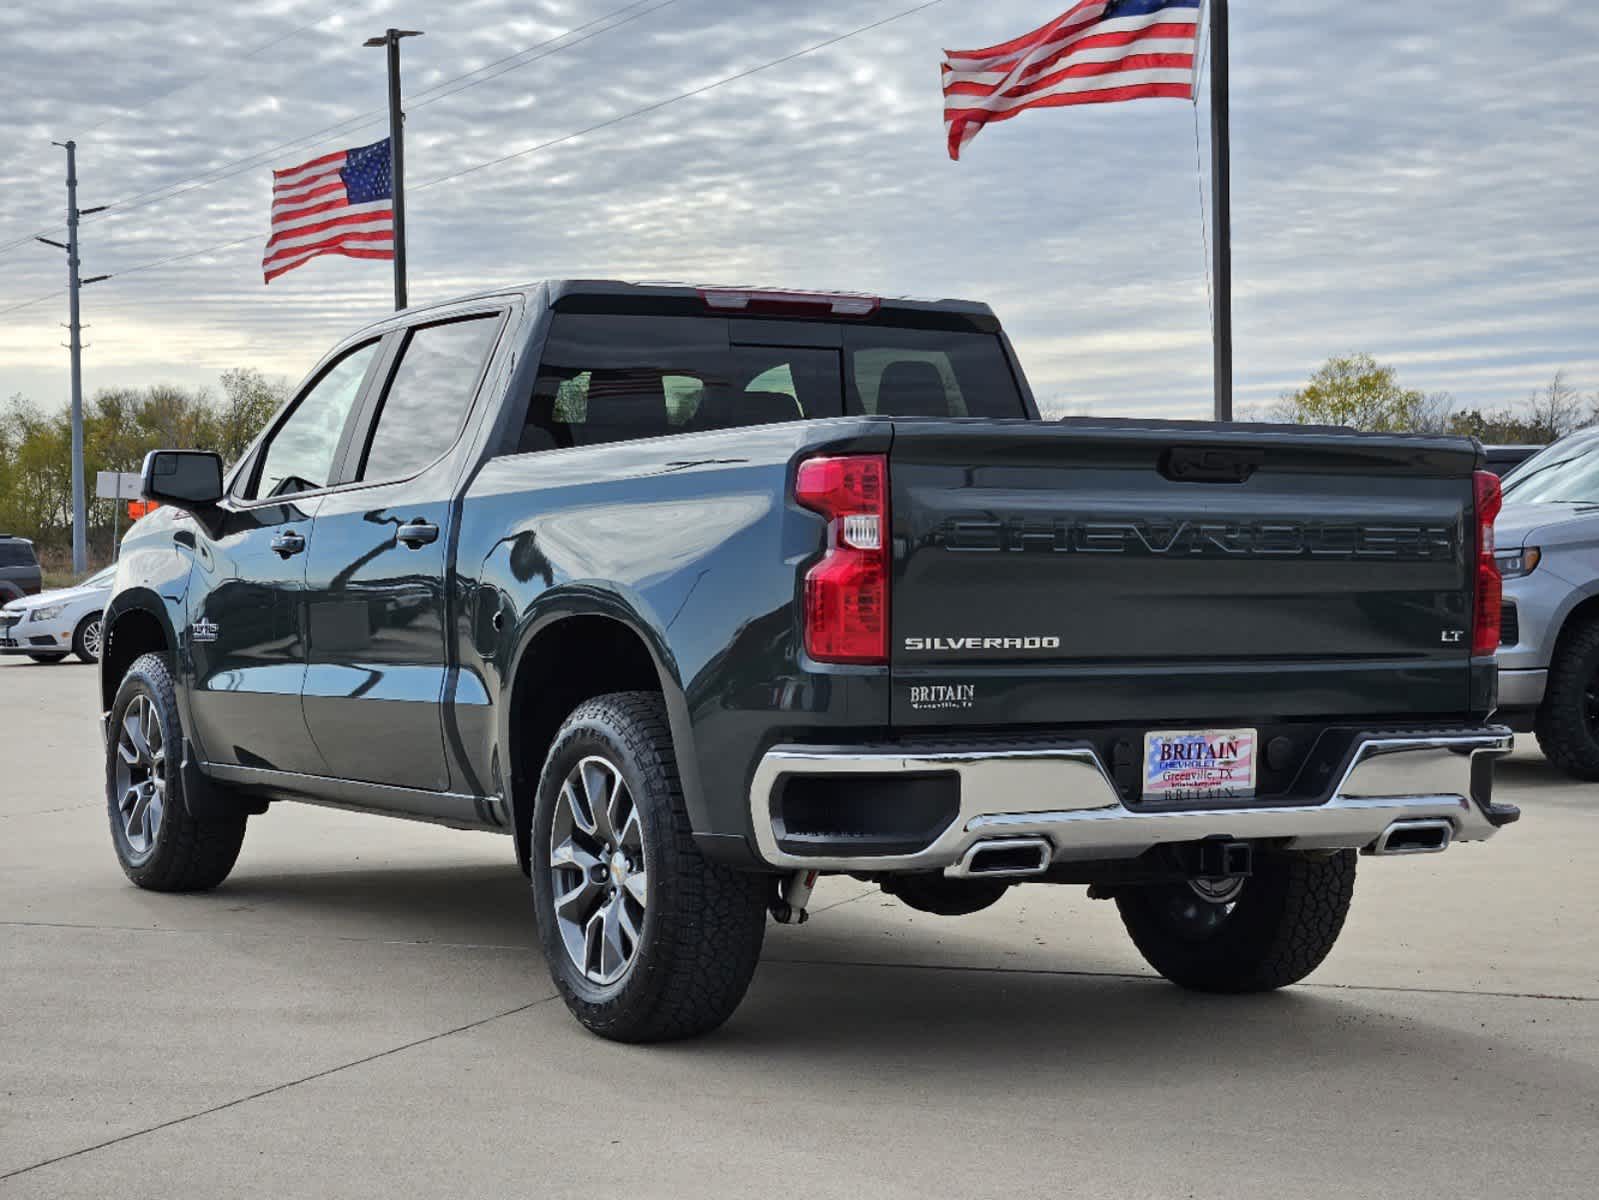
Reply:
x=610, y=378
x=17, y=554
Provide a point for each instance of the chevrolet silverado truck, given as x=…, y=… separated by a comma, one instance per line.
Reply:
x=701, y=593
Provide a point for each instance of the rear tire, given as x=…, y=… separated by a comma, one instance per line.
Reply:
x=159, y=845
x=1275, y=930
x=646, y=940
x=1568, y=718
x=86, y=639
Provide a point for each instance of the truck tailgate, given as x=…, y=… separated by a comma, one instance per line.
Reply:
x=1143, y=574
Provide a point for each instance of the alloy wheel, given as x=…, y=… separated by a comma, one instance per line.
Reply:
x=599, y=871
x=91, y=638
x=141, y=775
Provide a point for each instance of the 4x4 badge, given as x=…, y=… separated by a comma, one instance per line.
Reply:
x=203, y=631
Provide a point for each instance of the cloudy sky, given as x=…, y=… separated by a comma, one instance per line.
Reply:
x=1419, y=181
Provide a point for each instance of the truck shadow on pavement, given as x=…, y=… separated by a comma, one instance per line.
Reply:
x=817, y=1008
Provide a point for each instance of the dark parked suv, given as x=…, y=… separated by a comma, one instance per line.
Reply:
x=19, y=569
x=699, y=593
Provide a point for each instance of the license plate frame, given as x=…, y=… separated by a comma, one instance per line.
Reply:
x=1201, y=764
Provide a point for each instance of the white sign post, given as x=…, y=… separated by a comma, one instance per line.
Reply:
x=117, y=486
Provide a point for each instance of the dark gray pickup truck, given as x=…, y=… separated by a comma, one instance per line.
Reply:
x=700, y=593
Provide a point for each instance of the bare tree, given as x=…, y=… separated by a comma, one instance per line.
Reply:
x=1555, y=408
x=1435, y=414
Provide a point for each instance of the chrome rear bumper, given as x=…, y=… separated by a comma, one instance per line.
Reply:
x=1065, y=796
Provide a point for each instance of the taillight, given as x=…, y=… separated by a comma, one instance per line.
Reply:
x=1490, y=587
x=846, y=594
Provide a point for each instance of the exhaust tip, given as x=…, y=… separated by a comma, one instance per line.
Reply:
x=1430, y=836
x=1005, y=856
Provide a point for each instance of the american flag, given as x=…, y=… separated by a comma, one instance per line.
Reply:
x=341, y=203
x=1098, y=51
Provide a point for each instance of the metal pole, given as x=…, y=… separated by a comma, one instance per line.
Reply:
x=80, y=551
x=1221, y=205
x=397, y=165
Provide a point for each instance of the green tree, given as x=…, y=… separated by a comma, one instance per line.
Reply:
x=38, y=497
x=120, y=426
x=1356, y=391
x=249, y=400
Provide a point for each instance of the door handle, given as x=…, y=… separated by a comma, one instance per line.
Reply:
x=288, y=543
x=418, y=533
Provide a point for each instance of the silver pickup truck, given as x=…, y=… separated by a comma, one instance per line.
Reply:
x=1547, y=548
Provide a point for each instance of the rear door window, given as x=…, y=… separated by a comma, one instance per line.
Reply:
x=429, y=396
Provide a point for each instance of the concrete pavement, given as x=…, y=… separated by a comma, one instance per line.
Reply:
x=359, y=1011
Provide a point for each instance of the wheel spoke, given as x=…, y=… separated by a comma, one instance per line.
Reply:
x=126, y=750
x=633, y=829
x=575, y=904
x=598, y=791
x=593, y=938
x=638, y=886
x=619, y=809
x=152, y=733
x=629, y=929
x=132, y=725
x=137, y=817
x=575, y=805
x=614, y=956
x=570, y=854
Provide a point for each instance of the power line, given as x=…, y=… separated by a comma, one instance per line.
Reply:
x=228, y=170
x=617, y=120
x=248, y=54
x=123, y=113
x=415, y=102
x=660, y=104
x=30, y=303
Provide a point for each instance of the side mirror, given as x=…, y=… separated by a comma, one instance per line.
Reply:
x=188, y=479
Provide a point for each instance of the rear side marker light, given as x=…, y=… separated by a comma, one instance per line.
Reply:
x=846, y=593
x=1488, y=601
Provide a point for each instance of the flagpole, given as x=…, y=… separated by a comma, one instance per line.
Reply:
x=1221, y=208
x=391, y=41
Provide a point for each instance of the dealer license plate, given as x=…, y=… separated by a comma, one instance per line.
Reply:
x=1199, y=764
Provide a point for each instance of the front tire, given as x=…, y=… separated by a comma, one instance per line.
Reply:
x=1568, y=718
x=646, y=940
x=86, y=639
x=158, y=843
x=1251, y=935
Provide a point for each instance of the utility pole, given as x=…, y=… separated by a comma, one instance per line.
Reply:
x=80, y=519
x=391, y=41
x=1221, y=204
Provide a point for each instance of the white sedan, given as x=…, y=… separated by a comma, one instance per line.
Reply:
x=51, y=625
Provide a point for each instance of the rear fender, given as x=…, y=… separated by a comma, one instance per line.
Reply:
x=629, y=610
